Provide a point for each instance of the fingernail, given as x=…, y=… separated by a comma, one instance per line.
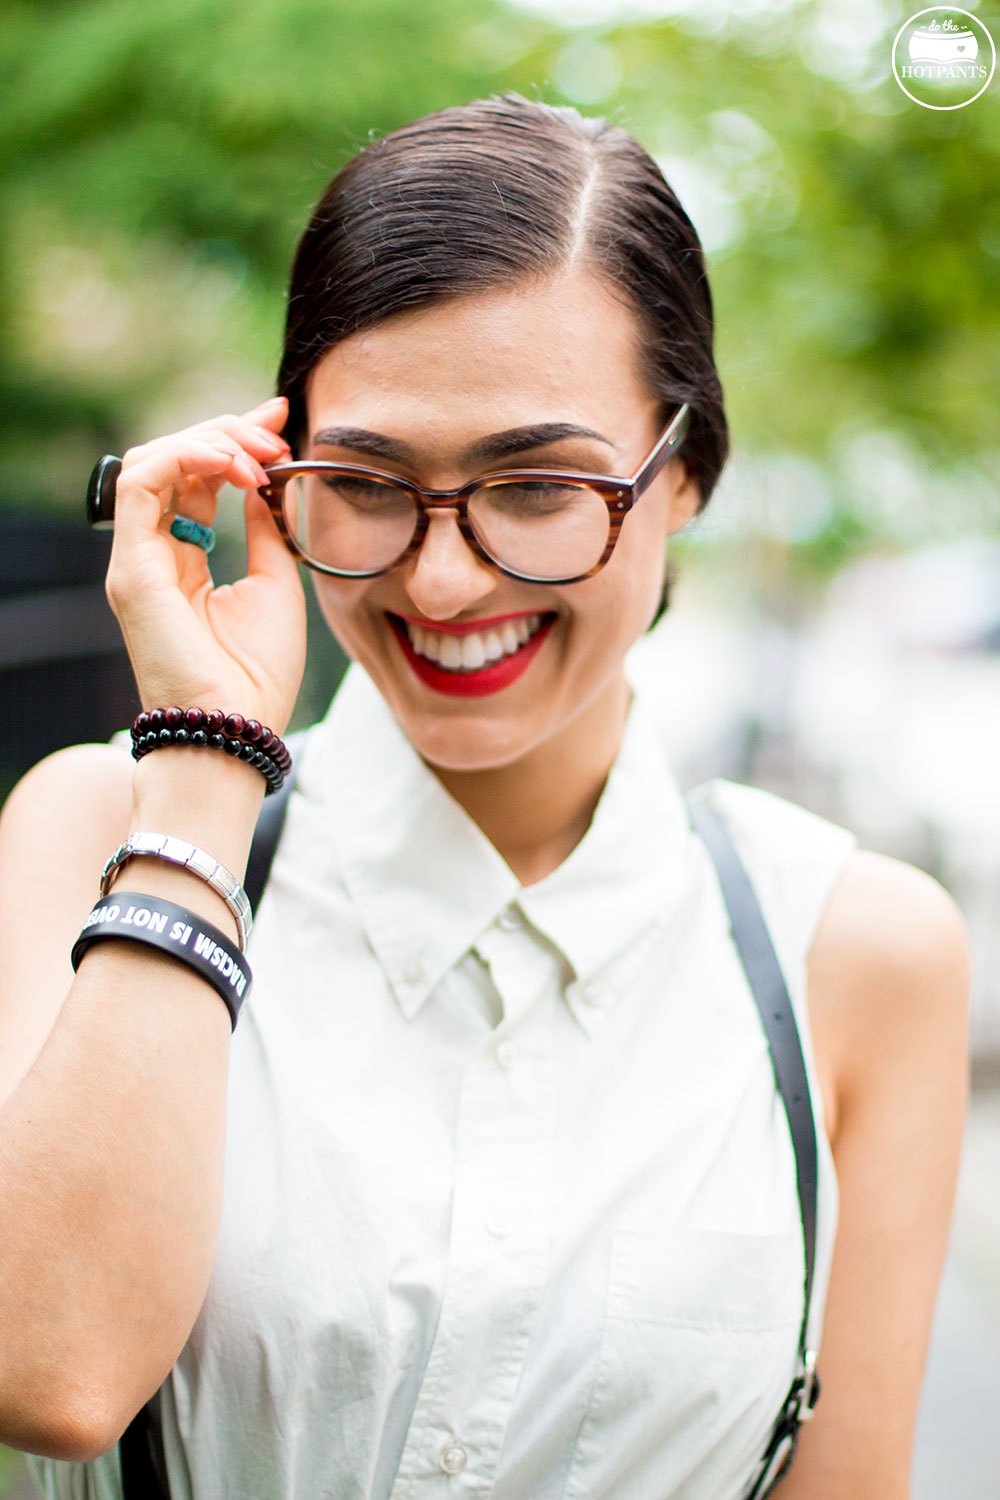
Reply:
x=272, y=401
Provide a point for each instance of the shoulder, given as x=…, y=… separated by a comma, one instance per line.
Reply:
x=91, y=784
x=793, y=858
x=58, y=826
x=773, y=831
x=888, y=977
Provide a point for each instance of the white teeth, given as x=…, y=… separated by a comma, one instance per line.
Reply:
x=450, y=652
x=472, y=652
x=428, y=644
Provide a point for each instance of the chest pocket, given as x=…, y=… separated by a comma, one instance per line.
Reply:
x=706, y=1279
x=698, y=1345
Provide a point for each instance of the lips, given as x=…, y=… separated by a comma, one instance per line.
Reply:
x=472, y=659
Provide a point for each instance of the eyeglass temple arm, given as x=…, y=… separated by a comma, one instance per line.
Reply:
x=669, y=445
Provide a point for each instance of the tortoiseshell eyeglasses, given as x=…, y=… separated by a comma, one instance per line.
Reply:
x=538, y=525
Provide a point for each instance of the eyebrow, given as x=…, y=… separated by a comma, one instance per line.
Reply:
x=498, y=445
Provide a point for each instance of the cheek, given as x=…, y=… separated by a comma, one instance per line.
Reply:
x=634, y=576
x=342, y=603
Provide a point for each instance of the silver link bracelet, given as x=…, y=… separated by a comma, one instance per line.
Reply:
x=188, y=857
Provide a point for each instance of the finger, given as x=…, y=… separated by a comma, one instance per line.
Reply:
x=195, y=472
x=267, y=554
x=272, y=414
x=151, y=474
x=261, y=442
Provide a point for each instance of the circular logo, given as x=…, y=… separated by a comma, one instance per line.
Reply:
x=943, y=58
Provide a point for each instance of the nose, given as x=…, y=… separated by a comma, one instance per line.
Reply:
x=446, y=576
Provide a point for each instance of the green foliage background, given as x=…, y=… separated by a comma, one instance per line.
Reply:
x=157, y=162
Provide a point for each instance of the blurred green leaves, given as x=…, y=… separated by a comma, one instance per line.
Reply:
x=157, y=163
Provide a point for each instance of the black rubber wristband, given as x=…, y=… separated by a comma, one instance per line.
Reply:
x=174, y=930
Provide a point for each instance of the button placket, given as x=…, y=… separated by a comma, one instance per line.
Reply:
x=499, y=1241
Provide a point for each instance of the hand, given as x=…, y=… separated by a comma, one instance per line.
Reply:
x=242, y=646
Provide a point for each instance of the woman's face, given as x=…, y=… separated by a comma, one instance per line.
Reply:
x=424, y=395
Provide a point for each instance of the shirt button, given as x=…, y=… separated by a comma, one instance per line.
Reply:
x=453, y=1457
x=413, y=971
x=595, y=994
x=509, y=919
x=499, y=1226
x=506, y=1054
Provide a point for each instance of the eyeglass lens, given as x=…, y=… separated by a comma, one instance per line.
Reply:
x=537, y=528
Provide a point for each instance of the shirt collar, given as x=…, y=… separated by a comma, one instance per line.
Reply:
x=427, y=884
x=423, y=878
x=606, y=904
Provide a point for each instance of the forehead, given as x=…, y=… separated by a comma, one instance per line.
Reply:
x=564, y=349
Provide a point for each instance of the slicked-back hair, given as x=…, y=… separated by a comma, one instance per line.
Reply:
x=491, y=194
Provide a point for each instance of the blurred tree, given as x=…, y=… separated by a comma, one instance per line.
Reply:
x=156, y=163
x=854, y=241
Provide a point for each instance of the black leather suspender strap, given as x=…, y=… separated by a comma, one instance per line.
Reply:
x=141, y=1447
x=770, y=992
x=140, y=1453
x=270, y=822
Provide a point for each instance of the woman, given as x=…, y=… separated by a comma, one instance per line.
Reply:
x=506, y=1203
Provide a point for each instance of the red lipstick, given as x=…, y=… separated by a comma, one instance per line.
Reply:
x=478, y=684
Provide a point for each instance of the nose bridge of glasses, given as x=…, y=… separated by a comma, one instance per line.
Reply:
x=446, y=570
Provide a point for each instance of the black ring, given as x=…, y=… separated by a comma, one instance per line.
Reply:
x=101, y=491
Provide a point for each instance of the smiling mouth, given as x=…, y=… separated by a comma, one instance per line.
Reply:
x=463, y=662
x=475, y=649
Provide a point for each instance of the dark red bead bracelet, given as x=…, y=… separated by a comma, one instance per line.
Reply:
x=248, y=739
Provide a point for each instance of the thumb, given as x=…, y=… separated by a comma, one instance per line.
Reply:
x=267, y=553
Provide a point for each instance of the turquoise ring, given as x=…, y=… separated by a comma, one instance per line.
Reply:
x=186, y=530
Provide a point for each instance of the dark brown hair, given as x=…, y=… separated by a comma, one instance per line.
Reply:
x=492, y=193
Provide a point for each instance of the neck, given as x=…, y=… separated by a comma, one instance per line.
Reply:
x=536, y=810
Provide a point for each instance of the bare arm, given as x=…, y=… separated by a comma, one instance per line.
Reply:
x=888, y=1002
x=112, y=1085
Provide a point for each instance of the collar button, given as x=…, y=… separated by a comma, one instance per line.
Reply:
x=453, y=1457
x=510, y=919
x=595, y=994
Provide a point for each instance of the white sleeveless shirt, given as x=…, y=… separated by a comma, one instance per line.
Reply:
x=510, y=1205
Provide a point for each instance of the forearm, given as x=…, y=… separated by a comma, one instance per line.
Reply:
x=111, y=1148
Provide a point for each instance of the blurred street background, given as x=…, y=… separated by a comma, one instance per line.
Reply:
x=835, y=628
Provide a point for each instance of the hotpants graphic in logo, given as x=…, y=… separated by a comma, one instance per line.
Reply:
x=943, y=58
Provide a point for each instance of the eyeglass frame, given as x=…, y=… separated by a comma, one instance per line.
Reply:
x=620, y=496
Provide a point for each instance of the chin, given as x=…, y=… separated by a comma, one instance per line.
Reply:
x=459, y=743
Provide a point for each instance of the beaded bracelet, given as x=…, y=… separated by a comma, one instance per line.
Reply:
x=248, y=739
x=173, y=930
